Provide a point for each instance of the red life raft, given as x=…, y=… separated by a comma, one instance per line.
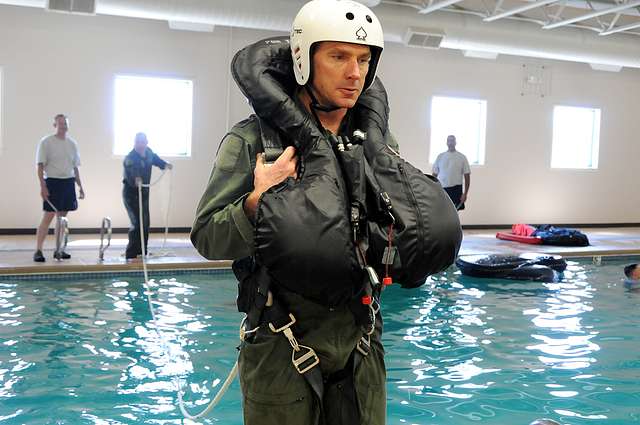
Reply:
x=522, y=233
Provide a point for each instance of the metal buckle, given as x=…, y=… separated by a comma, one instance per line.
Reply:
x=373, y=277
x=309, y=356
x=301, y=359
x=288, y=325
x=364, y=345
x=374, y=306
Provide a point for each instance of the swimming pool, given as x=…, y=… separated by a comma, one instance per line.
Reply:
x=459, y=350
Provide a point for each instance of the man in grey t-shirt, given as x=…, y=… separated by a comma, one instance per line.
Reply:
x=57, y=160
x=450, y=168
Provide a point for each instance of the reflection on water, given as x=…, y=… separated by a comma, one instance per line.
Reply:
x=509, y=352
x=459, y=350
x=88, y=352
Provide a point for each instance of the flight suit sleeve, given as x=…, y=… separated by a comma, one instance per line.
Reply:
x=158, y=162
x=221, y=230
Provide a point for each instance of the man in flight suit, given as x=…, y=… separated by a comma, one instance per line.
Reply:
x=335, y=48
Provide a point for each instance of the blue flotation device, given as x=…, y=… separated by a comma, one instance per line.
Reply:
x=527, y=266
x=560, y=236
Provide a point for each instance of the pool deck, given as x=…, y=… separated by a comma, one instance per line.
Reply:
x=16, y=251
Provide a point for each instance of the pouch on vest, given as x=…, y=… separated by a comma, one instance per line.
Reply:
x=427, y=234
x=303, y=233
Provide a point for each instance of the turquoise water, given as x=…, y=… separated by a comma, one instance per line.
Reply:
x=459, y=350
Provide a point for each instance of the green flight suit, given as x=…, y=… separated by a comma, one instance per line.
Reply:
x=273, y=391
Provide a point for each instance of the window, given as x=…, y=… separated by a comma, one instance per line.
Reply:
x=576, y=137
x=159, y=107
x=464, y=118
x=1, y=109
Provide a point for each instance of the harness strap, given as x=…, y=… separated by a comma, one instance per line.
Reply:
x=254, y=315
x=304, y=358
x=270, y=142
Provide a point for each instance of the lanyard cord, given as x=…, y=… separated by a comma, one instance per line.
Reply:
x=165, y=347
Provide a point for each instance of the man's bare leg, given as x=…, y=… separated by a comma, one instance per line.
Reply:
x=43, y=229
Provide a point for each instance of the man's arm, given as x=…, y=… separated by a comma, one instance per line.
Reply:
x=221, y=229
x=466, y=170
x=435, y=169
x=467, y=183
x=160, y=163
x=44, y=192
x=76, y=172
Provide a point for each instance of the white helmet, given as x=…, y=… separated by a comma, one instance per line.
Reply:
x=334, y=20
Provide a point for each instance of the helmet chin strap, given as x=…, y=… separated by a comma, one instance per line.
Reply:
x=316, y=105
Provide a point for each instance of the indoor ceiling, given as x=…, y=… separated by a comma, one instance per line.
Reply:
x=603, y=33
x=605, y=17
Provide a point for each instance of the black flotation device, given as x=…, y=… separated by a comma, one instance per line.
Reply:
x=303, y=233
x=560, y=236
x=529, y=266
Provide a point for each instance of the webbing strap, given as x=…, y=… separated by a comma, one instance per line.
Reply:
x=306, y=362
x=270, y=142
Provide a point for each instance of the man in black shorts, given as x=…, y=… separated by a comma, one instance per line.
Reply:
x=57, y=160
x=450, y=168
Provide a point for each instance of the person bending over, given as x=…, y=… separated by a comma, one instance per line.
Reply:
x=137, y=171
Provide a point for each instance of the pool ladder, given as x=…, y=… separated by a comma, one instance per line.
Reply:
x=62, y=233
x=105, y=229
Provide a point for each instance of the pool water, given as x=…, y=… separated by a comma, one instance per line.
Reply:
x=459, y=350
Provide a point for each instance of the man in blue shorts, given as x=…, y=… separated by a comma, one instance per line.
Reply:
x=57, y=160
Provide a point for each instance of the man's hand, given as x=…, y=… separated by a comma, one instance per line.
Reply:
x=169, y=165
x=81, y=193
x=463, y=198
x=44, y=192
x=269, y=175
x=265, y=176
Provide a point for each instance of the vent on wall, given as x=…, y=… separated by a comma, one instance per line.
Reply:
x=85, y=7
x=423, y=37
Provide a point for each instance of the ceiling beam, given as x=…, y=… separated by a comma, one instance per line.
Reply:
x=620, y=29
x=437, y=6
x=591, y=15
x=519, y=9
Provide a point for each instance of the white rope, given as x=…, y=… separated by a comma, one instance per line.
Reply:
x=156, y=181
x=166, y=212
x=164, y=252
x=176, y=380
x=55, y=210
x=60, y=233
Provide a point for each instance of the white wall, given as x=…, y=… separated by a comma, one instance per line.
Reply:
x=516, y=184
x=57, y=63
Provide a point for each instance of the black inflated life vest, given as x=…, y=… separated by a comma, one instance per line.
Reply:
x=349, y=197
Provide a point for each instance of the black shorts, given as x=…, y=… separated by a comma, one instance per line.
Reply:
x=455, y=192
x=62, y=194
